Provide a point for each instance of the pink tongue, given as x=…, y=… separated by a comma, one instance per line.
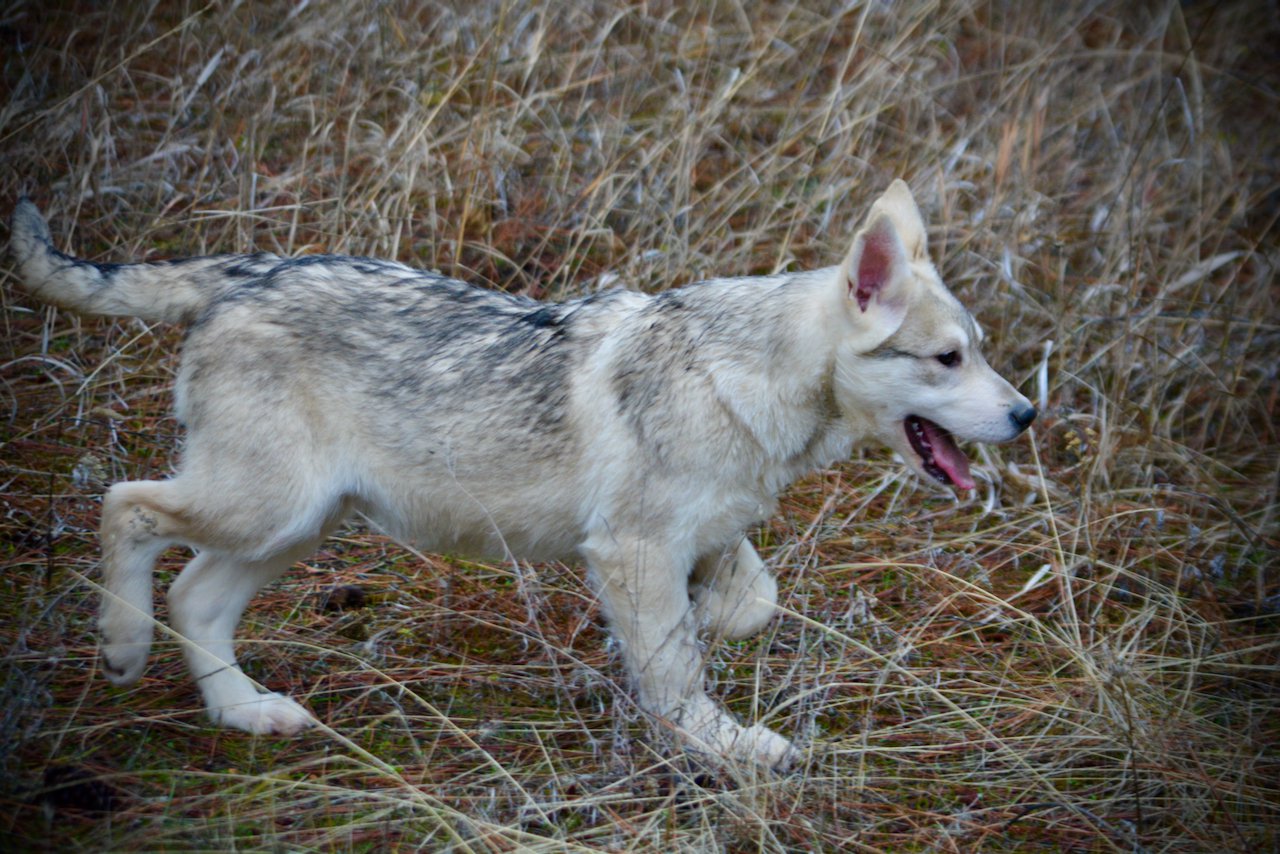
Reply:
x=947, y=456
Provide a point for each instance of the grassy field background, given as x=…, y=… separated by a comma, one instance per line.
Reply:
x=1079, y=656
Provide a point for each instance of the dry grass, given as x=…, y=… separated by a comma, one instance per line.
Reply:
x=1080, y=656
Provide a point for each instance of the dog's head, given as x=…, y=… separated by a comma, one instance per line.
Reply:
x=909, y=371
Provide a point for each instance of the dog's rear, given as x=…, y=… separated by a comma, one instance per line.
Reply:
x=140, y=519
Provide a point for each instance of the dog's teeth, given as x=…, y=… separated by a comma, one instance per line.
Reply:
x=937, y=473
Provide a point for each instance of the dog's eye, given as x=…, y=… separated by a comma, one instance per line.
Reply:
x=949, y=359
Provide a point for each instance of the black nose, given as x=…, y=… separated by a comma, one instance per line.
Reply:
x=1022, y=416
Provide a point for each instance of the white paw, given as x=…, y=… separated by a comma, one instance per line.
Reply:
x=713, y=730
x=763, y=745
x=738, y=600
x=731, y=620
x=123, y=663
x=266, y=714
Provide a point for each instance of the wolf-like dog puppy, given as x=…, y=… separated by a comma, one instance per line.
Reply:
x=643, y=434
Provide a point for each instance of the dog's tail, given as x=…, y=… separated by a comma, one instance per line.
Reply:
x=165, y=291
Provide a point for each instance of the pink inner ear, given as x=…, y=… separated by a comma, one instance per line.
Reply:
x=875, y=265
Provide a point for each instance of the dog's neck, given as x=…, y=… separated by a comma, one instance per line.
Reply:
x=776, y=337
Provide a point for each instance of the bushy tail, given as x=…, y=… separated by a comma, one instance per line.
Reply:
x=165, y=291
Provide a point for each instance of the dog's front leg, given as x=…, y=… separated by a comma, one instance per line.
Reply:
x=733, y=591
x=644, y=588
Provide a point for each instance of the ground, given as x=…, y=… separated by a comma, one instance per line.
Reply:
x=1080, y=655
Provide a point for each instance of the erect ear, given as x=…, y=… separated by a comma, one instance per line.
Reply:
x=877, y=265
x=899, y=205
x=879, y=281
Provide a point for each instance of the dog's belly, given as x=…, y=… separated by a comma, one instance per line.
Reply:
x=528, y=524
x=496, y=543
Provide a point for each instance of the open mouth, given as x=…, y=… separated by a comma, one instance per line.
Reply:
x=939, y=456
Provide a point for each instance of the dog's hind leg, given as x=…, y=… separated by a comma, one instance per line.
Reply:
x=138, y=524
x=205, y=606
x=247, y=525
x=734, y=592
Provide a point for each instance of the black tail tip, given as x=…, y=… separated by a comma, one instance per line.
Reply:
x=27, y=222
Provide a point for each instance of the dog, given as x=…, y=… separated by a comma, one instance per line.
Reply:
x=642, y=434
